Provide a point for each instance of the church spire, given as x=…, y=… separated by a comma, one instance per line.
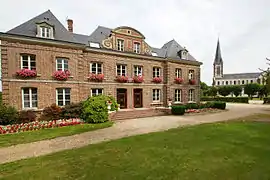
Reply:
x=218, y=58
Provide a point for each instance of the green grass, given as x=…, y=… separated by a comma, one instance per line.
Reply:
x=31, y=136
x=222, y=151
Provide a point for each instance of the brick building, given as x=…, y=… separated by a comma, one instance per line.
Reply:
x=45, y=45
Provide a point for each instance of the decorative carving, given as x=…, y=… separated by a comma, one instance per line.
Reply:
x=108, y=43
x=146, y=49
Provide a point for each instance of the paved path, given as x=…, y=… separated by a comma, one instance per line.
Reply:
x=122, y=129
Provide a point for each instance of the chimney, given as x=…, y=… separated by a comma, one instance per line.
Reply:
x=70, y=25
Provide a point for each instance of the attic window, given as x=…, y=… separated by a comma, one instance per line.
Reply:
x=45, y=32
x=95, y=45
x=154, y=54
x=128, y=31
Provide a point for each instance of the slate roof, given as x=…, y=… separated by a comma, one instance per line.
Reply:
x=29, y=28
x=241, y=76
x=218, y=58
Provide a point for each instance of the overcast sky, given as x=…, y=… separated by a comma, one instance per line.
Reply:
x=243, y=26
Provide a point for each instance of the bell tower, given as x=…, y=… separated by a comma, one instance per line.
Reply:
x=218, y=64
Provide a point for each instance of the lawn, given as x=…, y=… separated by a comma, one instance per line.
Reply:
x=227, y=150
x=31, y=136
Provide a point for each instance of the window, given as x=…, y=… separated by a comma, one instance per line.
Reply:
x=95, y=45
x=218, y=70
x=29, y=98
x=121, y=70
x=184, y=54
x=61, y=64
x=137, y=70
x=191, y=74
x=222, y=82
x=178, y=95
x=156, y=72
x=96, y=92
x=136, y=47
x=96, y=68
x=45, y=32
x=120, y=45
x=191, y=95
x=251, y=81
x=218, y=83
x=63, y=96
x=247, y=81
x=234, y=82
x=156, y=95
x=227, y=82
x=178, y=73
x=243, y=82
x=28, y=62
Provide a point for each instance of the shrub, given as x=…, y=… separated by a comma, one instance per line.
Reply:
x=251, y=89
x=8, y=115
x=0, y=98
x=178, y=110
x=114, y=105
x=219, y=105
x=51, y=113
x=224, y=90
x=266, y=100
x=226, y=99
x=26, y=116
x=95, y=110
x=74, y=110
x=192, y=106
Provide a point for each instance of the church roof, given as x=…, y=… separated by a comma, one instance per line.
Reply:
x=218, y=58
x=241, y=76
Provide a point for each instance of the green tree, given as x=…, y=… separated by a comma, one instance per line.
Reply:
x=251, y=89
x=263, y=91
x=204, y=89
x=236, y=90
x=224, y=90
x=212, y=91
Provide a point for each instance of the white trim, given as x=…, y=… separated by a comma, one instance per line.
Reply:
x=156, y=70
x=121, y=69
x=97, y=63
x=62, y=64
x=157, y=95
x=137, y=68
x=137, y=47
x=30, y=99
x=91, y=93
x=64, y=95
x=191, y=95
x=121, y=45
x=178, y=72
x=28, y=61
x=180, y=95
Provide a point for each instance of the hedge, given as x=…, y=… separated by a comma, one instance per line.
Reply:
x=226, y=99
x=266, y=100
x=178, y=110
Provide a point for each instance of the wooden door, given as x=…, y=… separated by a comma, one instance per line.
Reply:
x=122, y=98
x=137, y=97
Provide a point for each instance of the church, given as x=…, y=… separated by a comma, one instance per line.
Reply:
x=221, y=79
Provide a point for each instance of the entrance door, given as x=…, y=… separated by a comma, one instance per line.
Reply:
x=122, y=98
x=137, y=97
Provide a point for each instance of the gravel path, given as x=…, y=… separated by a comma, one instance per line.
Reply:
x=122, y=129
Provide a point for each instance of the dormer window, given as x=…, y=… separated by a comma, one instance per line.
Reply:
x=120, y=45
x=137, y=47
x=45, y=32
x=183, y=54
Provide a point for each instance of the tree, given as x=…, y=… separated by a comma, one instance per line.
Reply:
x=236, y=90
x=251, y=89
x=212, y=91
x=266, y=75
x=204, y=89
x=263, y=91
x=224, y=90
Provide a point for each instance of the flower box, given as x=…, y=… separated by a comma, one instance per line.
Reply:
x=137, y=79
x=178, y=80
x=26, y=73
x=157, y=80
x=121, y=79
x=37, y=125
x=192, y=81
x=96, y=77
x=61, y=75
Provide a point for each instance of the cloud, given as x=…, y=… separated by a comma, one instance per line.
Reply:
x=243, y=25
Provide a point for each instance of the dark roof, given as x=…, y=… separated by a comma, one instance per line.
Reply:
x=241, y=76
x=29, y=28
x=218, y=58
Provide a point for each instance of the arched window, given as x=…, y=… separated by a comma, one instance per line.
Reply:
x=218, y=83
x=218, y=70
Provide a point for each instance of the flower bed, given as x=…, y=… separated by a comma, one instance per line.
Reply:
x=37, y=125
x=61, y=75
x=96, y=77
x=26, y=73
x=200, y=110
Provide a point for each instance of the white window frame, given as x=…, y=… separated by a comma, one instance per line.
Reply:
x=29, y=61
x=62, y=68
x=191, y=74
x=120, y=44
x=191, y=95
x=178, y=95
x=138, y=70
x=137, y=47
x=96, y=93
x=64, y=96
x=178, y=73
x=96, y=66
x=121, y=70
x=46, y=30
x=156, y=72
x=30, y=98
x=184, y=54
x=156, y=95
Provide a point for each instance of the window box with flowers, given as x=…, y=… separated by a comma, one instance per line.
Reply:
x=137, y=79
x=26, y=73
x=157, y=79
x=61, y=75
x=192, y=82
x=178, y=80
x=96, y=77
x=121, y=79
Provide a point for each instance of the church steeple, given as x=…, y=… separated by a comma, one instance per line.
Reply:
x=218, y=63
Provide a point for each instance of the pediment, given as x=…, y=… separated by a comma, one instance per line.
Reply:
x=129, y=31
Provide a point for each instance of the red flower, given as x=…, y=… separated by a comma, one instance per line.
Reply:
x=157, y=80
x=137, y=79
x=96, y=77
x=26, y=73
x=178, y=80
x=122, y=79
x=192, y=81
x=61, y=75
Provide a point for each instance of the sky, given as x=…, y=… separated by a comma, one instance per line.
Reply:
x=242, y=26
